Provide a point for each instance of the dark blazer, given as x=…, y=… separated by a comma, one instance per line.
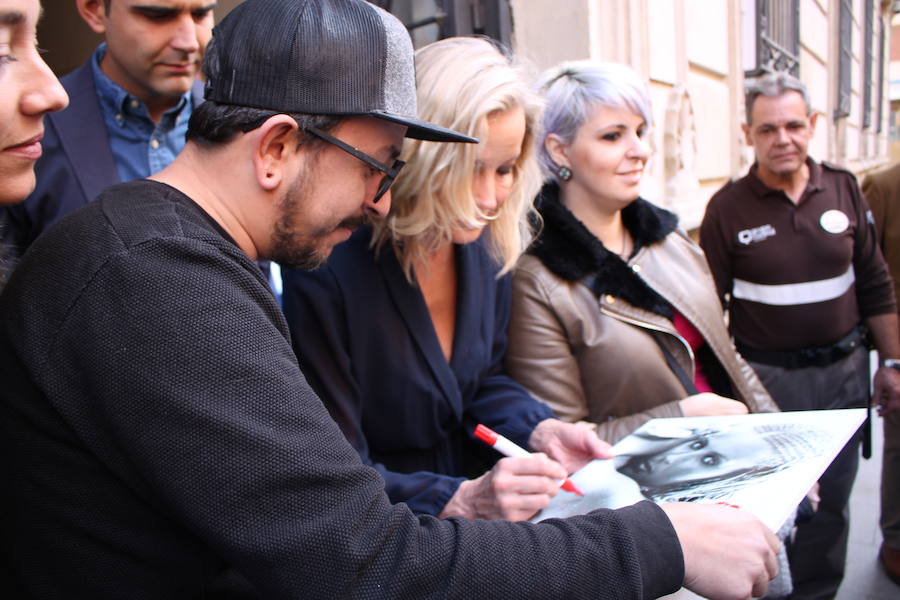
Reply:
x=76, y=165
x=367, y=345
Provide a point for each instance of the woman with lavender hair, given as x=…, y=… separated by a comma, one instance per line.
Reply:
x=615, y=317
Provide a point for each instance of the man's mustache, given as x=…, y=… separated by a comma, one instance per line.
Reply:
x=353, y=223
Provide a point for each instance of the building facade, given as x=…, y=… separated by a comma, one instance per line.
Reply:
x=696, y=54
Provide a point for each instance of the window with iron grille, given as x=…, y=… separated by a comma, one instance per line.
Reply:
x=430, y=20
x=777, y=37
x=845, y=26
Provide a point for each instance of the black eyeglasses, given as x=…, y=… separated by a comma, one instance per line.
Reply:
x=390, y=172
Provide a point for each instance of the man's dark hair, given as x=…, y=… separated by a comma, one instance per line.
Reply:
x=106, y=4
x=213, y=124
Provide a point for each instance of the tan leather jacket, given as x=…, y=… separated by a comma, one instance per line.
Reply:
x=597, y=362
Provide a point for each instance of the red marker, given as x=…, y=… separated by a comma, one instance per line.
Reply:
x=507, y=448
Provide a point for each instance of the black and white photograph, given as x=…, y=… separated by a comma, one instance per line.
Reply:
x=764, y=463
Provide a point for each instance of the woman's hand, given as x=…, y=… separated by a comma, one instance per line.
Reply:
x=708, y=404
x=572, y=445
x=515, y=489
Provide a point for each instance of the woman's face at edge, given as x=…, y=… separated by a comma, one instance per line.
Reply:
x=29, y=91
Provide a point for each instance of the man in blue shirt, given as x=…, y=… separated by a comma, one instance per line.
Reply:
x=130, y=106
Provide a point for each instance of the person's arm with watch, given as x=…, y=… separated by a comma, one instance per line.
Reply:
x=885, y=333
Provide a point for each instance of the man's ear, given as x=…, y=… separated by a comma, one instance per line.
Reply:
x=276, y=142
x=557, y=149
x=746, y=129
x=94, y=14
x=812, y=122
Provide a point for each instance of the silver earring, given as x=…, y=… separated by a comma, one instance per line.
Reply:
x=564, y=173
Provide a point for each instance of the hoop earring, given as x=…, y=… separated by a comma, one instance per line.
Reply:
x=564, y=173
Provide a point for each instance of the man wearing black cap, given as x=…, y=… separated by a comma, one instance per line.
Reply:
x=157, y=437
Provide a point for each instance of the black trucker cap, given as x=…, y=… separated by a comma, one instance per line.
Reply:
x=321, y=57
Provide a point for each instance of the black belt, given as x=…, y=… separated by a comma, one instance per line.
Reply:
x=820, y=356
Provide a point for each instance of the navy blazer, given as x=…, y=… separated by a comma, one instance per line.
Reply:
x=367, y=345
x=76, y=165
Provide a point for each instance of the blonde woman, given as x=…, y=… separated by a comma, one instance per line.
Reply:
x=403, y=333
x=615, y=316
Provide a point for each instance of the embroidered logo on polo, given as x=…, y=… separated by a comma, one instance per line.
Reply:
x=834, y=221
x=757, y=234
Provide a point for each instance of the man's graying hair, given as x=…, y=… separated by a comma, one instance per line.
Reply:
x=773, y=85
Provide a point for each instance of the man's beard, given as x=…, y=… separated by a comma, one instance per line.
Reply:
x=295, y=251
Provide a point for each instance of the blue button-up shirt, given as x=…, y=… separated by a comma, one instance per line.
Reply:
x=139, y=146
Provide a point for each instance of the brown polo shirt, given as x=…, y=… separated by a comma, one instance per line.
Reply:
x=795, y=275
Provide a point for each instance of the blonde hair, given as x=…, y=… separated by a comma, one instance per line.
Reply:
x=460, y=82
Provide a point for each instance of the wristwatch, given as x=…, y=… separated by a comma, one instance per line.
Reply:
x=891, y=363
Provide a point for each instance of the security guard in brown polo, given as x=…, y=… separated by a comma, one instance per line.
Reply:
x=792, y=248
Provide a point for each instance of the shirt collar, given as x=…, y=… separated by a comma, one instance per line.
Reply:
x=761, y=189
x=115, y=100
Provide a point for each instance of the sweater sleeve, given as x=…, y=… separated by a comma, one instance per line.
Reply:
x=189, y=395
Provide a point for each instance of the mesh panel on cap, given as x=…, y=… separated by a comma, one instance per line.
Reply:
x=341, y=68
x=323, y=57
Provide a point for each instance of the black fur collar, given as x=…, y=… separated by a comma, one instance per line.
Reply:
x=569, y=250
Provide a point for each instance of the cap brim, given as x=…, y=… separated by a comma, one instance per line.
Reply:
x=423, y=130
